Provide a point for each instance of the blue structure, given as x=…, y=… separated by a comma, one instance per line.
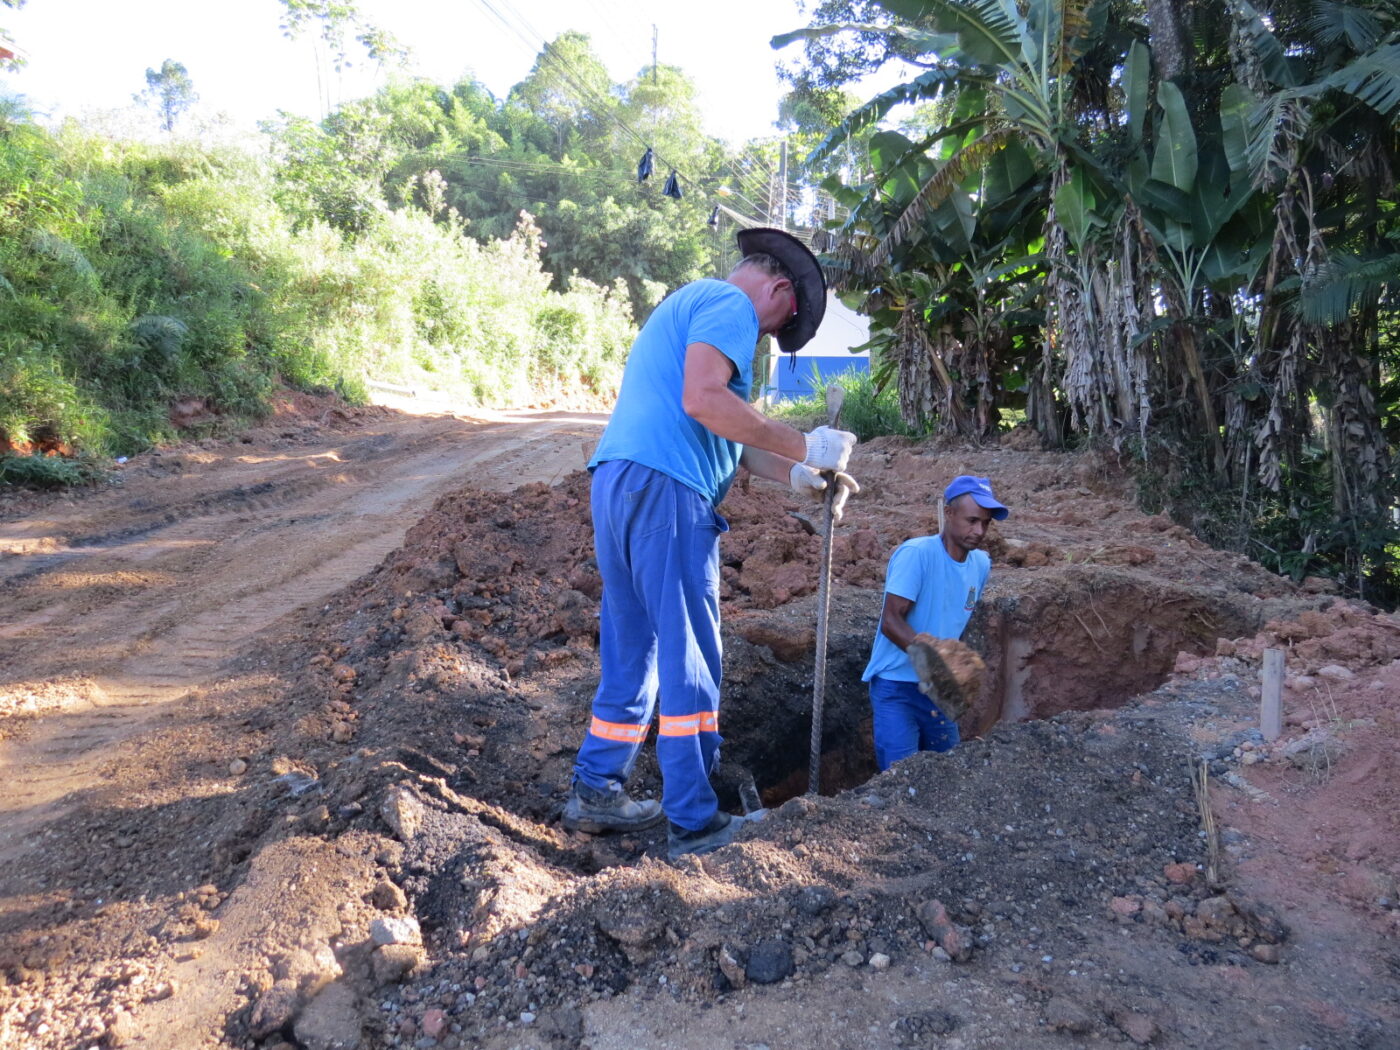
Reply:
x=789, y=383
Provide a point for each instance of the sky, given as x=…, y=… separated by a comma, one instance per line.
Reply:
x=88, y=57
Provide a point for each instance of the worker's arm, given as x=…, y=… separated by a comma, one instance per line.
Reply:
x=707, y=399
x=766, y=464
x=894, y=624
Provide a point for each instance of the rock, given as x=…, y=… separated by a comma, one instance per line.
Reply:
x=1336, y=672
x=1124, y=908
x=731, y=964
x=815, y=900
x=274, y=1009
x=769, y=962
x=562, y=1026
x=1065, y=1015
x=121, y=1029
x=342, y=732
x=1261, y=920
x=343, y=673
x=1266, y=953
x=331, y=1021
x=395, y=929
x=635, y=929
x=1140, y=1028
x=310, y=970
x=1315, y=751
x=914, y=1029
x=388, y=897
x=1179, y=874
x=1186, y=663
x=955, y=940
x=237, y=767
x=879, y=961
x=1216, y=911
x=393, y=962
x=433, y=1023
x=402, y=811
x=853, y=958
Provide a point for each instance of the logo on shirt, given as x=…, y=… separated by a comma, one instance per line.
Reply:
x=971, y=599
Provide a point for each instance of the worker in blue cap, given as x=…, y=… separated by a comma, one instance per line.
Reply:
x=932, y=586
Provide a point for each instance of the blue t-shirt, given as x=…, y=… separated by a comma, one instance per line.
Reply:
x=649, y=426
x=944, y=593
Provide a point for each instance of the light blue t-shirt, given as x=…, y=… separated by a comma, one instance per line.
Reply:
x=649, y=426
x=944, y=593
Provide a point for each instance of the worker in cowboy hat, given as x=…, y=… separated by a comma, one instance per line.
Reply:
x=681, y=428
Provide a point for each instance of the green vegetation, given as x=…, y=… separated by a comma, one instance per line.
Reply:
x=870, y=408
x=1152, y=223
x=436, y=237
x=132, y=276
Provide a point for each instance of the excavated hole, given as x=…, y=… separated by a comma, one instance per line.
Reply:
x=1078, y=638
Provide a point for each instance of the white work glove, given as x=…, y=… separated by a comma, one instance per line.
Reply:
x=829, y=449
x=809, y=483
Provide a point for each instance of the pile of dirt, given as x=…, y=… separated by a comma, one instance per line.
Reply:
x=399, y=759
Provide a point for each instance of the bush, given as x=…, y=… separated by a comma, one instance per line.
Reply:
x=132, y=276
x=867, y=411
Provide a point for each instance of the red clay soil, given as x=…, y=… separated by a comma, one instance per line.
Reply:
x=351, y=837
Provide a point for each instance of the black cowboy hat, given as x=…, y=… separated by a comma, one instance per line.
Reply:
x=806, y=272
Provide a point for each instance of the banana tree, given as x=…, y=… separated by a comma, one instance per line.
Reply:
x=1320, y=137
x=1019, y=64
x=952, y=310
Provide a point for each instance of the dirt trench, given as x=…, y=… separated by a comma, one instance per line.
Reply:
x=349, y=835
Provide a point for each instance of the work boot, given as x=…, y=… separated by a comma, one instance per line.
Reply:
x=595, y=811
x=720, y=831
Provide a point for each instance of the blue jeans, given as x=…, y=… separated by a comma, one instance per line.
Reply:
x=906, y=721
x=657, y=544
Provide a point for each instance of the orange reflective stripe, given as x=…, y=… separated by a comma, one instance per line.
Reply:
x=689, y=725
x=627, y=734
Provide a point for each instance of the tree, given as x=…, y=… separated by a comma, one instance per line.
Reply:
x=337, y=22
x=169, y=91
x=1204, y=221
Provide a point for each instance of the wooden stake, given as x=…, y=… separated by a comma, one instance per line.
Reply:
x=1271, y=695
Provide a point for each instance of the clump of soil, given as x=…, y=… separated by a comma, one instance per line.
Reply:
x=1062, y=876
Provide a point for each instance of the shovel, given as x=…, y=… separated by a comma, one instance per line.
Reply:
x=835, y=396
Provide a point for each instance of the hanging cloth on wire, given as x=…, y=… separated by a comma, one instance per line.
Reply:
x=672, y=187
x=644, y=166
x=713, y=220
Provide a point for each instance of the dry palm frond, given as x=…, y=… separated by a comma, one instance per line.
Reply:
x=940, y=187
x=1075, y=27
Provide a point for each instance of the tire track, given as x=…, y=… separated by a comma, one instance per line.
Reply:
x=226, y=566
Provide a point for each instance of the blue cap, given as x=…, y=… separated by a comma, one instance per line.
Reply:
x=981, y=491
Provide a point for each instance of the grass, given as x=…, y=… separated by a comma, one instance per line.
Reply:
x=867, y=411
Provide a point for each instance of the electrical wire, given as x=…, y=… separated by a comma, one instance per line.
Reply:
x=585, y=94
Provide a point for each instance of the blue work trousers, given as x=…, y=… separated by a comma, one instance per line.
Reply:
x=657, y=544
x=906, y=721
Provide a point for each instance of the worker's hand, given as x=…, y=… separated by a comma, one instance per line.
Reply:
x=829, y=449
x=809, y=483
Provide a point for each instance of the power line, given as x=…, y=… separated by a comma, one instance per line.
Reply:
x=585, y=94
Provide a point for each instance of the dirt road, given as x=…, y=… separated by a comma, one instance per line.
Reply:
x=119, y=603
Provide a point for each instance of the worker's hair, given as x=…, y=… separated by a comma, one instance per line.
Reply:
x=767, y=264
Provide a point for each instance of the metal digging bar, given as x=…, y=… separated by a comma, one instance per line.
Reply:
x=835, y=396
